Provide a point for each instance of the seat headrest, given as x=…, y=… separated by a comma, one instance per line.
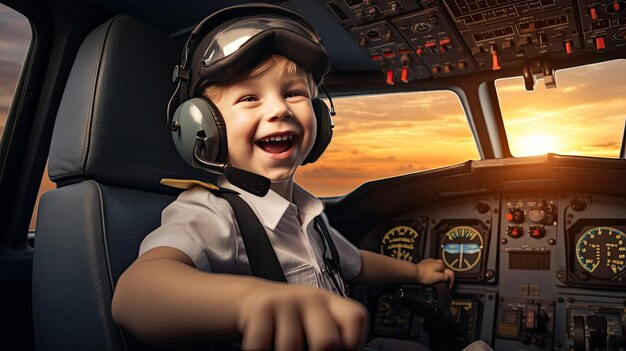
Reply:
x=111, y=125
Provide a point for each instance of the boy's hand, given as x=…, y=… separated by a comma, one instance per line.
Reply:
x=431, y=271
x=284, y=317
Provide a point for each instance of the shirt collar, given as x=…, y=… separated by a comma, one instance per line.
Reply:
x=272, y=207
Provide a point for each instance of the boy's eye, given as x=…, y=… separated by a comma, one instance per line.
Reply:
x=248, y=98
x=294, y=94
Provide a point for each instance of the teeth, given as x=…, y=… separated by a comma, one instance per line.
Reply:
x=278, y=138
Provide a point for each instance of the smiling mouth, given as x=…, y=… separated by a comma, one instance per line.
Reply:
x=277, y=144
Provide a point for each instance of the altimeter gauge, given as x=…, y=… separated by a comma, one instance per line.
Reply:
x=601, y=251
x=461, y=248
x=400, y=242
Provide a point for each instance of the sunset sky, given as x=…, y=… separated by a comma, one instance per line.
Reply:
x=387, y=135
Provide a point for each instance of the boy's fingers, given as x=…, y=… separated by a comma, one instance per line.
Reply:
x=288, y=329
x=321, y=330
x=450, y=277
x=352, y=321
x=258, y=331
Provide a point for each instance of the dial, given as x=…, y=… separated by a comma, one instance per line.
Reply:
x=461, y=248
x=601, y=251
x=400, y=242
x=391, y=319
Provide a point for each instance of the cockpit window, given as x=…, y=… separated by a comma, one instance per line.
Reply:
x=584, y=115
x=15, y=36
x=381, y=136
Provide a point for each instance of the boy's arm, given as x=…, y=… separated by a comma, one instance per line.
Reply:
x=161, y=298
x=380, y=269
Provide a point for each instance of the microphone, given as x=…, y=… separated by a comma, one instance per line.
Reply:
x=248, y=181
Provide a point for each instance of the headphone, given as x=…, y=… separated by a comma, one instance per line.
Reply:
x=197, y=126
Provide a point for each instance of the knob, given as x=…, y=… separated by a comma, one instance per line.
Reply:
x=515, y=215
x=536, y=232
x=578, y=204
x=515, y=231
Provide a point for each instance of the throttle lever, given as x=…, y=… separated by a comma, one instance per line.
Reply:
x=421, y=306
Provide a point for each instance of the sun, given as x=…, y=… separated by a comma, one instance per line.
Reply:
x=534, y=144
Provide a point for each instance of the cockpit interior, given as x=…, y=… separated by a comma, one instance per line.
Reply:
x=537, y=243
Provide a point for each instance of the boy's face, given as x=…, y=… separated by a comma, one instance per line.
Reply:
x=270, y=123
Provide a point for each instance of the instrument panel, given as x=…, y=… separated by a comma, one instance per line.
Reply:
x=533, y=270
x=418, y=39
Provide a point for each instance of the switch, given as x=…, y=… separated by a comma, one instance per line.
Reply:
x=593, y=12
x=444, y=45
x=445, y=41
x=388, y=36
x=495, y=60
x=523, y=41
x=431, y=46
x=568, y=46
x=531, y=321
x=363, y=41
x=600, y=45
x=462, y=65
x=390, y=77
x=477, y=50
x=447, y=68
x=507, y=44
x=435, y=69
x=404, y=74
x=543, y=39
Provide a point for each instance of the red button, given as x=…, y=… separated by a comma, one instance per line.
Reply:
x=376, y=57
x=600, y=43
x=509, y=216
x=616, y=6
x=419, y=50
x=594, y=13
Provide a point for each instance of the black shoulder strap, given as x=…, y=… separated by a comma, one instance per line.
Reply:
x=336, y=262
x=263, y=261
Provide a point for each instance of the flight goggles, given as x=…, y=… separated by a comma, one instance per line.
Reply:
x=238, y=45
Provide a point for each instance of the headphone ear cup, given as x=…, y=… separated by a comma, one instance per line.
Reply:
x=195, y=115
x=324, y=130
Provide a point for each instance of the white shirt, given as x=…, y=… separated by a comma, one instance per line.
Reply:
x=203, y=226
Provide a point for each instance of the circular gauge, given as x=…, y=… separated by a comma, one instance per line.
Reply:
x=399, y=242
x=461, y=248
x=391, y=319
x=601, y=251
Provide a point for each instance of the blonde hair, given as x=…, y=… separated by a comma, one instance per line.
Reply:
x=214, y=92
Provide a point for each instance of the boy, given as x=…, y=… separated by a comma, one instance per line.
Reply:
x=192, y=279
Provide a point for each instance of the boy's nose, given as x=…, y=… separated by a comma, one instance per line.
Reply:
x=277, y=109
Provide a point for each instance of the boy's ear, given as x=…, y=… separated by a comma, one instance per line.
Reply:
x=324, y=130
x=195, y=116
